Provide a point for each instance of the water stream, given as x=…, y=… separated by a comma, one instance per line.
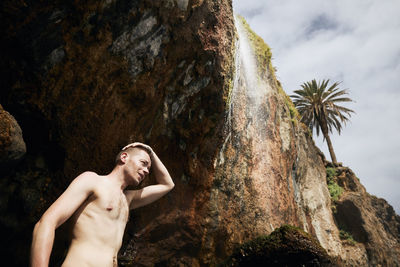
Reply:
x=247, y=111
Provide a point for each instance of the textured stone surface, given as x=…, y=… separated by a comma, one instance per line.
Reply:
x=84, y=79
x=252, y=181
x=12, y=145
x=314, y=199
x=371, y=221
x=286, y=246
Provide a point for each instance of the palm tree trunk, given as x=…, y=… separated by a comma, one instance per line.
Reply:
x=330, y=147
x=325, y=132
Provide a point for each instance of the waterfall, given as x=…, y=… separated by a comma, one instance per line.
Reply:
x=244, y=161
x=247, y=115
x=247, y=109
x=245, y=53
x=252, y=174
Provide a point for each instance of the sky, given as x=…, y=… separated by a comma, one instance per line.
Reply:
x=353, y=42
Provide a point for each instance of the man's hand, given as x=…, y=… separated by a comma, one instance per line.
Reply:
x=138, y=144
x=149, y=194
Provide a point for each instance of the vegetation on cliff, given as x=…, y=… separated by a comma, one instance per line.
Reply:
x=334, y=189
x=335, y=192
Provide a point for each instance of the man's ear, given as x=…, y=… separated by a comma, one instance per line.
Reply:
x=124, y=157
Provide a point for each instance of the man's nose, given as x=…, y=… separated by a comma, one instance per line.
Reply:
x=146, y=170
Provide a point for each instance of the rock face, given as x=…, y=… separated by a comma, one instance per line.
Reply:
x=371, y=221
x=84, y=79
x=286, y=246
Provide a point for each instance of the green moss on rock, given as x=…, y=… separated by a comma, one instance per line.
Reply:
x=335, y=190
x=261, y=50
x=294, y=113
x=286, y=246
x=346, y=236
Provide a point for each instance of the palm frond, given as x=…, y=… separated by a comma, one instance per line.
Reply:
x=319, y=99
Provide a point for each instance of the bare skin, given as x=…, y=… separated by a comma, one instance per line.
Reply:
x=99, y=208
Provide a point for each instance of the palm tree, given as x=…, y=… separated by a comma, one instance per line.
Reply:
x=316, y=104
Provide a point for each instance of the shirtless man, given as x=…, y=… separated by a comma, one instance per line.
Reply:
x=99, y=206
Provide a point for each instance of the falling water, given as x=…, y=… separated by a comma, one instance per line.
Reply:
x=248, y=66
x=249, y=93
x=247, y=114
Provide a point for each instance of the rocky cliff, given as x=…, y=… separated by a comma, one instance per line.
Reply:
x=82, y=80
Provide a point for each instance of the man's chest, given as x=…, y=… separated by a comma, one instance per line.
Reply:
x=112, y=204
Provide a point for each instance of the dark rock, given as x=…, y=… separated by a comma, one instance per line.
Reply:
x=286, y=246
x=84, y=79
x=12, y=145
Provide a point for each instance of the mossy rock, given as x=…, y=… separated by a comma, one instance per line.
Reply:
x=286, y=246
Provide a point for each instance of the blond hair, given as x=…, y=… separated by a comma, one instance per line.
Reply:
x=130, y=150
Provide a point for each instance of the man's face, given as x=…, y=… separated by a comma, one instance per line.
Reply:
x=138, y=165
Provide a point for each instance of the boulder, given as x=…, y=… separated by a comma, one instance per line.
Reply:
x=285, y=246
x=12, y=145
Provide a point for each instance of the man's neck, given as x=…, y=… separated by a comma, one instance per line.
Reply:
x=118, y=177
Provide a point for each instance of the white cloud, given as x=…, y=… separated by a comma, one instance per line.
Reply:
x=357, y=42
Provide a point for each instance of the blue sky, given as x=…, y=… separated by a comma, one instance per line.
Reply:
x=358, y=43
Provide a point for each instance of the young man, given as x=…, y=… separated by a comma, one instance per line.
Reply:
x=99, y=207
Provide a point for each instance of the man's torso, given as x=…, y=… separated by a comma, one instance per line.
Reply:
x=98, y=227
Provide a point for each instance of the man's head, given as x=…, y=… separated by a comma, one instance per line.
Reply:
x=131, y=151
x=135, y=162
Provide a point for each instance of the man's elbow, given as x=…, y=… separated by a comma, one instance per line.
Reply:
x=170, y=186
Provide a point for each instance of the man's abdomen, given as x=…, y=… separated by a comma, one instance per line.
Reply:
x=85, y=254
x=96, y=240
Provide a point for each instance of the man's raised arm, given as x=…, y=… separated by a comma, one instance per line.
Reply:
x=149, y=194
x=44, y=231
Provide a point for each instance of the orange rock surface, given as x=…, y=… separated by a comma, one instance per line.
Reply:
x=85, y=79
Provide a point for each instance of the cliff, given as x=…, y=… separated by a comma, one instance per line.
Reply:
x=82, y=80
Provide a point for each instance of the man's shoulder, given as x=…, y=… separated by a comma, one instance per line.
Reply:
x=87, y=177
x=88, y=174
